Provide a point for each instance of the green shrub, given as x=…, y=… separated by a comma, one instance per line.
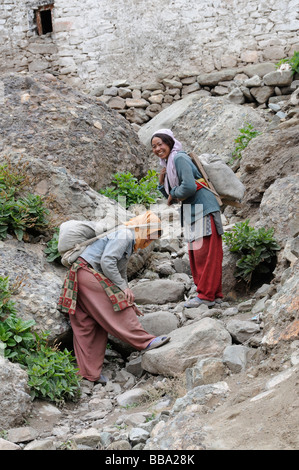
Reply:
x=19, y=214
x=17, y=338
x=6, y=305
x=52, y=248
x=292, y=61
x=256, y=248
x=51, y=372
x=127, y=187
x=247, y=133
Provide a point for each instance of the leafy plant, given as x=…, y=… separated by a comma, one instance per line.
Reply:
x=127, y=187
x=19, y=214
x=16, y=336
x=247, y=133
x=256, y=248
x=52, y=248
x=51, y=372
x=6, y=305
x=292, y=61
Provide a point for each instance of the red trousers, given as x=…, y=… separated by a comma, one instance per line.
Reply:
x=206, y=255
x=94, y=318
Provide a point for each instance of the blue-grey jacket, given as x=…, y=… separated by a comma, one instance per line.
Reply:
x=110, y=255
x=201, y=202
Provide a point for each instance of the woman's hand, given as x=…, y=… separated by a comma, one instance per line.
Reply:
x=137, y=311
x=129, y=295
x=169, y=200
x=162, y=176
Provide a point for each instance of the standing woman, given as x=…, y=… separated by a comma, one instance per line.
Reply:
x=181, y=180
x=98, y=301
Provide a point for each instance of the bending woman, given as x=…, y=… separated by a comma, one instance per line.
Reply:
x=98, y=300
x=181, y=180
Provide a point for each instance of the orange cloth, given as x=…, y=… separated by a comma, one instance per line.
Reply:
x=144, y=235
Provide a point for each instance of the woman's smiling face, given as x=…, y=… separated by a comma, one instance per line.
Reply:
x=160, y=149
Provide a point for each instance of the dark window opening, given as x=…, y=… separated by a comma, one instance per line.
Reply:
x=46, y=20
x=43, y=18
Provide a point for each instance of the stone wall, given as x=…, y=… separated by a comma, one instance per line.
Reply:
x=255, y=85
x=137, y=39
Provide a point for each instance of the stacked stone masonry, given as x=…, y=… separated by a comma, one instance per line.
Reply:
x=255, y=85
x=94, y=43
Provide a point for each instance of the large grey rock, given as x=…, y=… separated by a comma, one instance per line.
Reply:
x=278, y=78
x=260, y=69
x=281, y=311
x=236, y=96
x=160, y=291
x=262, y=94
x=158, y=323
x=213, y=78
x=206, y=371
x=211, y=124
x=132, y=397
x=235, y=357
x=279, y=208
x=202, y=339
x=184, y=428
x=269, y=157
x=15, y=399
x=68, y=129
x=165, y=118
x=242, y=330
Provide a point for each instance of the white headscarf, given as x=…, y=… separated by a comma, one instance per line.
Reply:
x=171, y=174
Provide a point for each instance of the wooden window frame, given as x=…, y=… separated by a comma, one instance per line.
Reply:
x=39, y=20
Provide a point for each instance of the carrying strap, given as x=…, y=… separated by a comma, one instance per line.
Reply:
x=102, y=235
x=206, y=187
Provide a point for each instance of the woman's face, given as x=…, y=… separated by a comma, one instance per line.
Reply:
x=160, y=149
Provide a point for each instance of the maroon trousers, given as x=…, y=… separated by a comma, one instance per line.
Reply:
x=94, y=319
x=206, y=255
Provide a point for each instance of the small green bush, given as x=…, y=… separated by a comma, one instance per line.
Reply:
x=127, y=187
x=292, y=61
x=256, y=249
x=52, y=248
x=51, y=372
x=19, y=214
x=6, y=305
x=246, y=134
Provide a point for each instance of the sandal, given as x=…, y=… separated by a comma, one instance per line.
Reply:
x=101, y=380
x=157, y=342
x=196, y=302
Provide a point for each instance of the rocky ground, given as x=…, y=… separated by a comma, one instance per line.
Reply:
x=253, y=408
x=247, y=399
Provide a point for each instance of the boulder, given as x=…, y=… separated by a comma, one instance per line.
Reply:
x=15, y=399
x=165, y=118
x=159, y=323
x=160, y=291
x=235, y=357
x=205, y=338
x=68, y=130
x=213, y=78
x=276, y=78
x=211, y=124
x=206, y=371
x=242, y=330
x=262, y=94
x=270, y=156
x=279, y=208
